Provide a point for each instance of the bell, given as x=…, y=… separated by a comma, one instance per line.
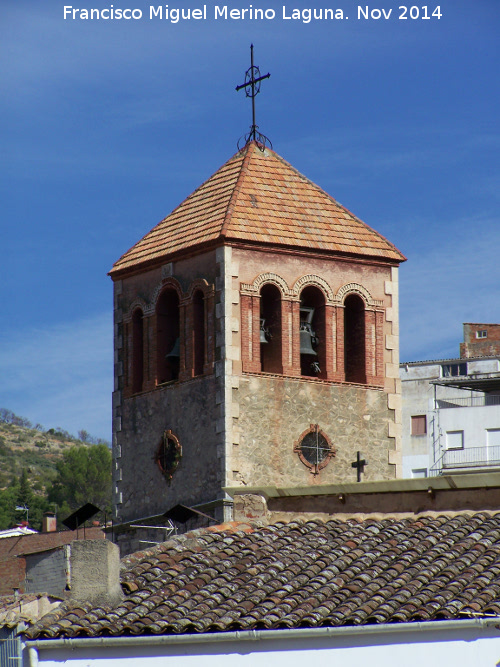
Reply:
x=264, y=331
x=307, y=335
x=306, y=339
x=175, y=352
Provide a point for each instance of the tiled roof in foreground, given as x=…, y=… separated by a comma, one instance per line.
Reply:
x=258, y=197
x=301, y=574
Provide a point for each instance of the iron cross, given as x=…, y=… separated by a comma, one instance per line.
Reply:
x=359, y=464
x=252, y=88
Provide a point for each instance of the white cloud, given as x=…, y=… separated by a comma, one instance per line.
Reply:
x=61, y=375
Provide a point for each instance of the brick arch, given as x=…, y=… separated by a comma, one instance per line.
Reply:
x=198, y=329
x=147, y=309
x=355, y=338
x=134, y=335
x=169, y=327
x=355, y=288
x=313, y=281
x=363, y=364
x=168, y=283
x=250, y=309
x=263, y=279
x=199, y=284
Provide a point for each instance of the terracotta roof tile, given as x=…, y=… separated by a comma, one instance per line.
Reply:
x=258, y=197
x=311, y=574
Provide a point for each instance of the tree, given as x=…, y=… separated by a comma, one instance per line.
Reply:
x=8, y=497
x=24, y=492
x=83, y=476
x=20, y=494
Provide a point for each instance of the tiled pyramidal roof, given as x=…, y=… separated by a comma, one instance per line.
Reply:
x=258, y=197
x=301, y=574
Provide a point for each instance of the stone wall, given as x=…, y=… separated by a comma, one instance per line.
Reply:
x=48, y=572
x=275, y=411
x=234, y=424
x=187, y=409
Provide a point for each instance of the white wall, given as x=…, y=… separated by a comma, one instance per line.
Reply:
x=415, y=649
x=472, y=421
x=418, y=399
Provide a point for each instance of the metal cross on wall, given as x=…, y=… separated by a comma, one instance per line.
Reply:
x=252, y=89
x=359, y=464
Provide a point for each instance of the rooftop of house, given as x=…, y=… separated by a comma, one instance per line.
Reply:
x=257, y=197
x=341, y=571
x=17, y=531
x=25, y=608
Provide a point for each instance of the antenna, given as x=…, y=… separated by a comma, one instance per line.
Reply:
x=23, y=508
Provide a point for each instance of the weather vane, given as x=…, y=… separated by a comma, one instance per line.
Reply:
x=252, y=88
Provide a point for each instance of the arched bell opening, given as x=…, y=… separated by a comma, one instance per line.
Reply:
x=167, y=336
x=137, y=351
x=354, y=339
x=270, y=330
x=198, y=332
x=312, y=333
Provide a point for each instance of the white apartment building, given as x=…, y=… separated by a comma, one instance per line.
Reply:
x=451, y=409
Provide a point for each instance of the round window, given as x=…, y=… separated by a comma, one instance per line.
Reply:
x=314, y=449
x=168, y=454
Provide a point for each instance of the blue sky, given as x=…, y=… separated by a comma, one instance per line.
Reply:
x=108, y=124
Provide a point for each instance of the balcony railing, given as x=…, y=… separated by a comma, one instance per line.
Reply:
x=469, y=457
x=468, y=402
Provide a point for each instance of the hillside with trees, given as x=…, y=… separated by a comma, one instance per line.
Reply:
x=49, y=469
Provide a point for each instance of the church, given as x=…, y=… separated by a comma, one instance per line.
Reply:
x=256, y=383
x=256, y=344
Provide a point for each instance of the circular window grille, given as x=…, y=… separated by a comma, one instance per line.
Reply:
x=314, y=449
x=168, y=454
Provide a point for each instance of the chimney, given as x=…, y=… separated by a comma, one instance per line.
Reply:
x=85, y=570
x=95, y=571
x=49, y=522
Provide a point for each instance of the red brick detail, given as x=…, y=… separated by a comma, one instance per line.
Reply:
x=295, y=307
x=287, y=337
x=474, y=346
x=329, y=351
x=245, y=302
x=255, y=338
x=250, y=328
x=355, y=339
x=197, y=333
x=330, y=328
x=370, y=346
x=340, y=371
x=271, y=352
x=379, y=348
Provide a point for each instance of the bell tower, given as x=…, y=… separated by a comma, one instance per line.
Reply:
x=256, y=344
